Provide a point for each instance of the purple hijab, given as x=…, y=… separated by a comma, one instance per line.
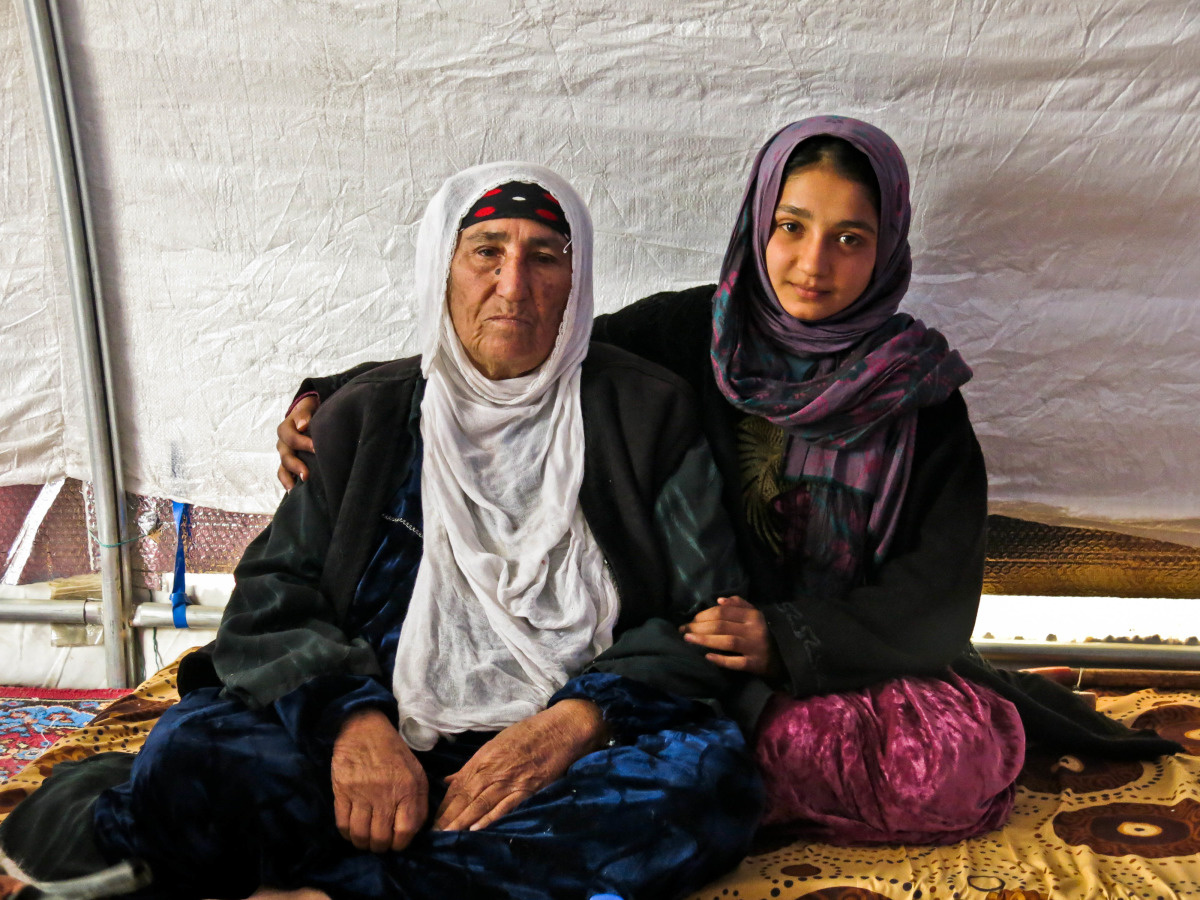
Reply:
x=845, y=390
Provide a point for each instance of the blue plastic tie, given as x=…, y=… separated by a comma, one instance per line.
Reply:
x=183, y=525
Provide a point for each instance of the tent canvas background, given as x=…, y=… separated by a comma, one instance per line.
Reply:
x=257, y=173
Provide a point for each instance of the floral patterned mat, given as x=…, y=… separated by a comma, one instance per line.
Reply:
x=1082, y=829
x=120, y=724
x=32, y=722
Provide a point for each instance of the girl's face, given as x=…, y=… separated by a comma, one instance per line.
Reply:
x=821, y=251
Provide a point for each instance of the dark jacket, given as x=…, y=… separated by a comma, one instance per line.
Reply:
x=283, y=626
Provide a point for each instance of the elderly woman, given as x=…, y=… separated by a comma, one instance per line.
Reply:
x=451, y=665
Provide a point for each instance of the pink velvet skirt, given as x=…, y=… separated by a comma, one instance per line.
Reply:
x=912, y=760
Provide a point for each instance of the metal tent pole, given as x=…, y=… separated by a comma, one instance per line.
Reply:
x=122, y=655
x=91, y=612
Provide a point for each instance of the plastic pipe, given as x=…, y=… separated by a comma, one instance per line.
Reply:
x=1090, y=653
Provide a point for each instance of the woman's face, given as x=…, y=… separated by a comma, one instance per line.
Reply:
x=821, y=251
x=510, y=280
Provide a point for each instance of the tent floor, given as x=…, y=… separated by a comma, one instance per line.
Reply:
x=1082, y=828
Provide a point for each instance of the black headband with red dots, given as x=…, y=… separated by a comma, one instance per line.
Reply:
x=518, y=200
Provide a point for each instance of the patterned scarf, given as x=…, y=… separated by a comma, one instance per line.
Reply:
x=845, y=390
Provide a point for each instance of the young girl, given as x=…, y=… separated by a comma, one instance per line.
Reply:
x=859, y=493
x=862, y=495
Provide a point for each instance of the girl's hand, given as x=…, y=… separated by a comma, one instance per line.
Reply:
x=293, y=436
x=738, y=631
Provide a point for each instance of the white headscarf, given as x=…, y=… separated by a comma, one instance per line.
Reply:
x=512, y=597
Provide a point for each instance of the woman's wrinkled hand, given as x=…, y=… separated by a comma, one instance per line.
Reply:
x=380, y=793
x=736, y=631
x=518, y=762
x=292, y=438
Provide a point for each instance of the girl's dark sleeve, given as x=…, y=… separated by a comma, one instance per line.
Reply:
x=916, y=611
x=698, y=543
x=671, y=329
x=325, y=386
x=690, y=554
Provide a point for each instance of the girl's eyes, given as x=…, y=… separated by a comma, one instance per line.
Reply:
x=846, y=240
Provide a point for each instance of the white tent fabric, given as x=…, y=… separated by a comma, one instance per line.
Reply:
x=42, y=431
x=257, y=172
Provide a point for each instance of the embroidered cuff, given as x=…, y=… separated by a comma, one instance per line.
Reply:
x=799, y=647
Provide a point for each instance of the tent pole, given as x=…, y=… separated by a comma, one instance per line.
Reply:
x=91, y=612
x=122, y=655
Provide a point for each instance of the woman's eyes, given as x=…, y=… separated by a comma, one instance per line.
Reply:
x=546, y=258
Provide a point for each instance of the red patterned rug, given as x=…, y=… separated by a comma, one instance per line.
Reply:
x=31, y=719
